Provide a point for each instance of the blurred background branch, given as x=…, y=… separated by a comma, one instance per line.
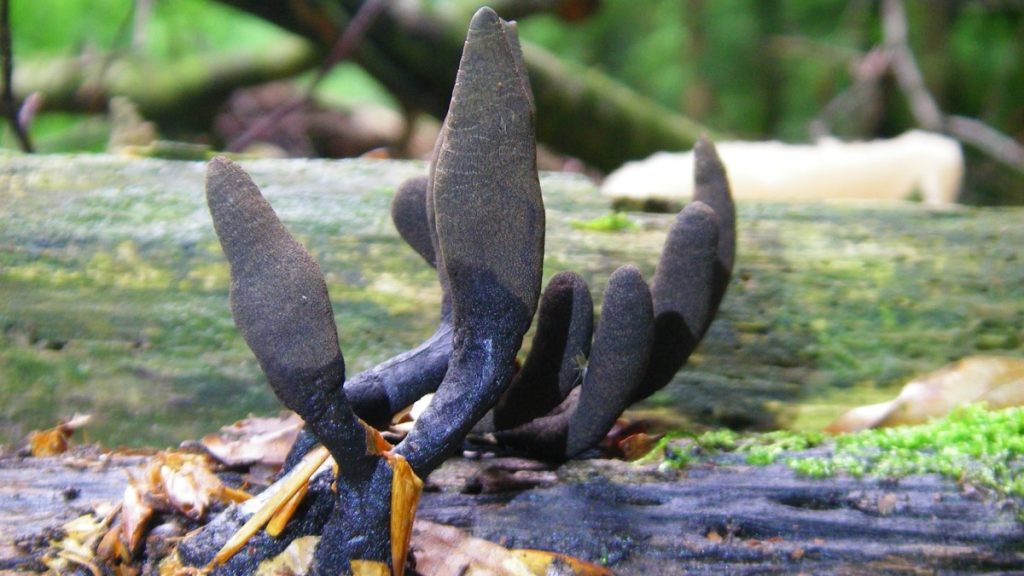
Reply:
x=7, y=63
x=614, y=81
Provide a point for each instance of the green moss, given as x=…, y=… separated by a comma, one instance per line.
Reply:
x=724, y=439
x=758, y=449
x=972, y=444
x=614, y=222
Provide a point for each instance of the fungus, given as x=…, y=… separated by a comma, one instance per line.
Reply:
x=644, y=338
x=478, y=218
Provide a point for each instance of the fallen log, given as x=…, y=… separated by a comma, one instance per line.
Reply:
x=715, y=517
x=113, y=294
x=110, y=280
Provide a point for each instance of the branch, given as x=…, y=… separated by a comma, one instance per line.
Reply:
x=415, y=55
x=895, y=55
x=987, y=139
x=908, y=75
x=6, y=53
x=347, y=42
x=188, y=91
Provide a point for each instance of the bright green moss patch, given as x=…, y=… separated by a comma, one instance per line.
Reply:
x=757, y=449
x=970, y=445
x=760, y=449
x=614, y=222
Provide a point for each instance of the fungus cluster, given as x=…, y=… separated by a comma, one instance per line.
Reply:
x=478, y=218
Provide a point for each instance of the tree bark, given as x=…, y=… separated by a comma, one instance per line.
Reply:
x=712, y=518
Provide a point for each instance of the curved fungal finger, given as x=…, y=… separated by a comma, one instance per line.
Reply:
x=712, y=188
x=622, y=348
x=554, y=366
x=382, y=391
x=409, y=214
x=378, y=393
x=545, y=436
x=489, y=218
x=279, y=302
x=683, y=294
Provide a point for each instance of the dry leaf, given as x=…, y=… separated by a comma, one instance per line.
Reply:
x=375, y=443
x=406, y=487
x=190, y=486
x=185, y=482
x=997, y=381
x=54, y=441
x=172, y=566
x=81, y=538
x=636, y=446
x=135, y=516
x=295, y=559
x=48, y=442
x=276, y=497
x=280, y=520
x=887, y=503
x=112, y=549
x=369, y=568
x=447, y=551
x=264, y=441
x=543, y=562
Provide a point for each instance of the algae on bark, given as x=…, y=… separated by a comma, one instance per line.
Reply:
x=113, y=294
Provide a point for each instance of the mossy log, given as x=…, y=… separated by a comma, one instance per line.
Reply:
x=113, y=295
x=113, y=300
x=709, y=519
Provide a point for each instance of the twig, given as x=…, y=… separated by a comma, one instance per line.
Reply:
x=347, y=42
x=141, y=14
x=6, y=54
x=987, y=139
x=922, y=104
x=900, y=60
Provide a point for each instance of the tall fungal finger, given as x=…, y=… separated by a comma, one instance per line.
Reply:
x=683, y=292
x=622, y=348
x=561, y=344
x=711, y=187
x=279, y=302
x=489, y=219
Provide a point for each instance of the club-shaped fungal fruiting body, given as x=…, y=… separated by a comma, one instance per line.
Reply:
x=478, y=218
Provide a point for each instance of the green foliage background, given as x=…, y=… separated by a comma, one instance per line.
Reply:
x=748, y=68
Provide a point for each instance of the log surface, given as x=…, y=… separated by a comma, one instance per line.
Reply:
x=709, y=519
x=113, y=294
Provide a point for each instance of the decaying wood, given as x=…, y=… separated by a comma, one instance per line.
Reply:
x=38, y=495
x=827, y=301
x=708, y=519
